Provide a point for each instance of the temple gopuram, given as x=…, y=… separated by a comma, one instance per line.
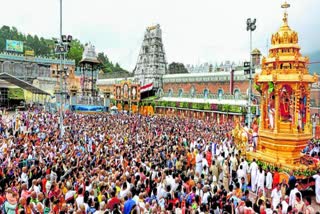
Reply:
x=284, y=84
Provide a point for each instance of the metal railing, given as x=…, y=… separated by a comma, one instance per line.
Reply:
x=35, y=59
x=88, y=100
x=209, y=96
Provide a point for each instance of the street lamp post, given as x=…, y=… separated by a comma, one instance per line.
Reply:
x=62, y=47
x=251, y=26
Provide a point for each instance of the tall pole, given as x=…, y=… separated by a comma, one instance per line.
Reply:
x=250, y=83
x=61, y=70
x=250, y=27
x=92, y=81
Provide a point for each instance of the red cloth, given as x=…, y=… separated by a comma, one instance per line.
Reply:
x=44, y=181
x=112, y=202
x=284, y=110
x=276, y=179
x=209, y=157
x=2, y=199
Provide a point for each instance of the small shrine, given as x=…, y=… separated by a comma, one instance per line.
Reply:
x=127, y=95
x=284, y=84
x=89, y=65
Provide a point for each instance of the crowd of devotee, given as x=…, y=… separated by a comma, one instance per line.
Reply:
x=135, y=164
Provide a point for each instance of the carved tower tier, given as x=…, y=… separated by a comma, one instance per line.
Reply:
x=284, y=84
x=151, y=64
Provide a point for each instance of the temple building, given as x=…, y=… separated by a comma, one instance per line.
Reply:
x=151, y=63
x=31, y=72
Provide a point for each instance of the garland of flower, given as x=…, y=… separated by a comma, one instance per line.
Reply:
x=297, y=172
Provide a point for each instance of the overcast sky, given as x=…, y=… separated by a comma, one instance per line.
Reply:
x=194, y=31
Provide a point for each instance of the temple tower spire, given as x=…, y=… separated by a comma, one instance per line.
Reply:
x=151, y=63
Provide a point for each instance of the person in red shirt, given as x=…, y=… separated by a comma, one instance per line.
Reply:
x=113, y=201
x=209, y=157
x=276, y=178
x=43, y=183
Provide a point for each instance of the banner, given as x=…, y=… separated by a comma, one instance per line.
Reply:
x=147, y=87
x=13, y=45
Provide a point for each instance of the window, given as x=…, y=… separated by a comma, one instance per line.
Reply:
x=170, y=92
x=180, y=92
x=237, y=94
x=160, y=92
x=220, y=93
x=205, y=93
x=192, y=92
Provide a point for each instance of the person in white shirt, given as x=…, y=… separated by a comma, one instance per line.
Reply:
x=205, y=162
x=285, y=204
x=317, y=186
x=124, y=190
x=254, y=171
x=220, y=160
x=269, y=182
x=199, y=190
x=214, y=149
x=69, y=197
x=260, y=179
x=24, y=176
x=292, y=197
x=268, y=208
x=206, y=194
x=35, y=187
x=199, y=163
x=80, y=198
x=245, y=168
x=240, y=173
x=276, y=196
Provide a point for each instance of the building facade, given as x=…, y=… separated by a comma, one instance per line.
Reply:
x=38, y=71
x=219, y=95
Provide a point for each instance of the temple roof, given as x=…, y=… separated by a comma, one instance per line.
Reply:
x=255, y=52
x=285, y=35
x=89, y=55
x=285, y=62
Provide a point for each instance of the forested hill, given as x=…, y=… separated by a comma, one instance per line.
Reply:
x=45, y=47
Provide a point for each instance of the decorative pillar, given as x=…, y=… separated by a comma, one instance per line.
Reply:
x=296, y=110
x=262, y=116
x=307, y=129
x=276, y=115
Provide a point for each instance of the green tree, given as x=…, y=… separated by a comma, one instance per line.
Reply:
x=4, y=35
x=76, y=50
x=45, y=47
x=177, y=68
x=117, y=68
x=107, y=66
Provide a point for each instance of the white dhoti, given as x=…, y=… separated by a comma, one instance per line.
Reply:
x=253, y=182
x=199, y=168
x=271, y=120
x=255, y=139
x=317, y=187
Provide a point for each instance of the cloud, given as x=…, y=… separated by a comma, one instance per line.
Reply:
x=193, y=31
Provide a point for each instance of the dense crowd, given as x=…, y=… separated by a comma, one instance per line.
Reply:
x=134, y=164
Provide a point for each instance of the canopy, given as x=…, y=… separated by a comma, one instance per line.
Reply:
x=22, y=84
